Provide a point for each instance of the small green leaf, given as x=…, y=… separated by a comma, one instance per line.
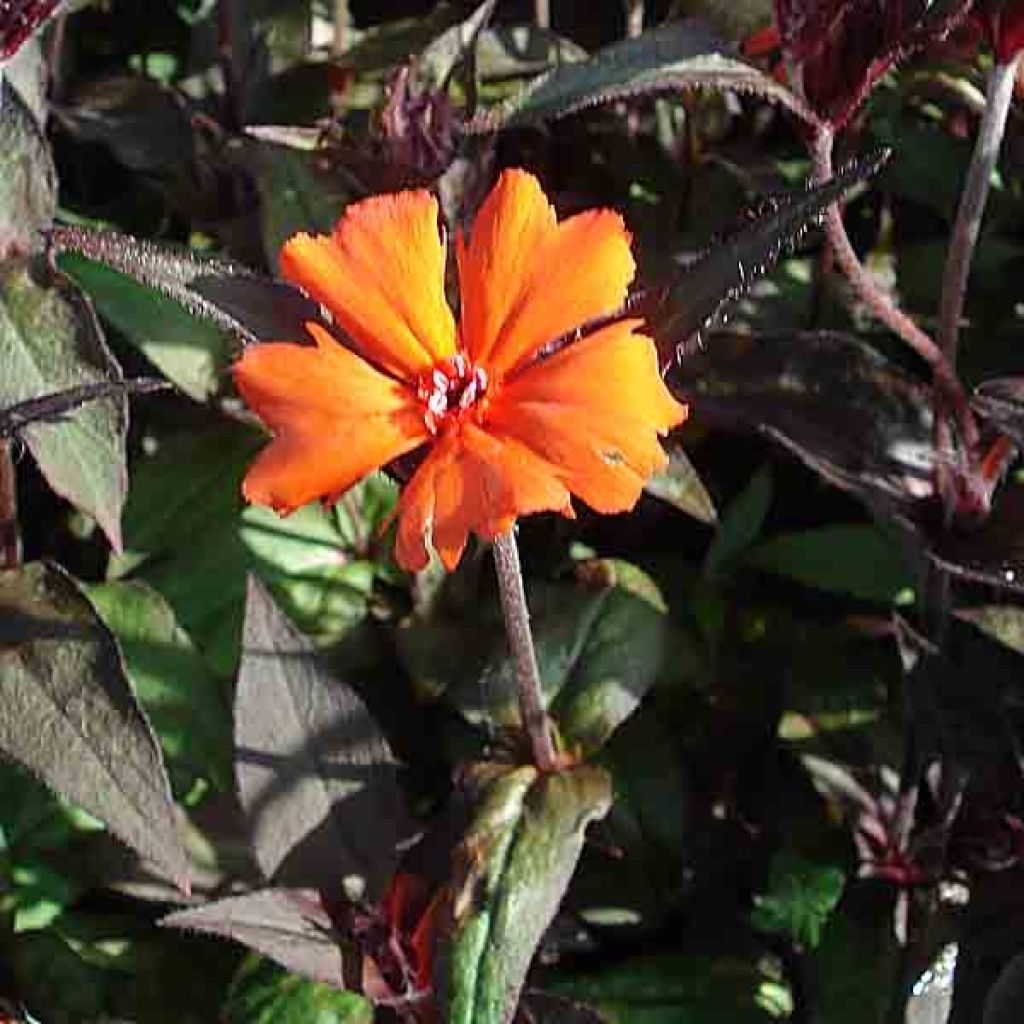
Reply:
x=859, y=561
x=599, y=646
x=28, y=180
x=740, y=525
x=1002, y=622
x=675, y=56
x=71, y=718
x=296, y=195
x=189, y=351
x=264, y=994
x=673, y=989
x=173, y=683
x=50, y=341
x=800, y=898
x=517, y=856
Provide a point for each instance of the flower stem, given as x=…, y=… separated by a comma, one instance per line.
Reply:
x=947, y=385
x=520, y=639
x=972, y=202
x=10, y=540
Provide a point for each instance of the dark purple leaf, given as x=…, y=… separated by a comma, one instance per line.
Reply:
x=865, y=425
x=840, y=48
x=855, y=418
x=71, y=718
x=19, y=19
x=732, y=265
x=290, y=926
x=960, y=696
x=317, y=779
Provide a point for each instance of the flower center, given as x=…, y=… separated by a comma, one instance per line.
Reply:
x=449, y=389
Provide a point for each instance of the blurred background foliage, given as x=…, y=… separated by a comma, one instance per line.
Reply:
x=751, y=868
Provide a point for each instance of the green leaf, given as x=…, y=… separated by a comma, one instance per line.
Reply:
x=173, y=683
x=680, y=485
x=676, y=56
x=189, y=351
x=1002, y=622
x=296, y=196
x=800, y=898
x=618, y=662
x=673, y=989
x=264, y=994
x=50, y=341
x=518, y=856
x=859, y=561
x=28, y=180
x=599, y=646
x=741, y=524
x=188, y=534
x=442, y=56
x=71, y=718
x=221, y=291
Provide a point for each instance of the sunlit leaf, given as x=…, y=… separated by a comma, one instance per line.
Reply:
x=799, y=899
x=676, y=56
x=179, y=693
x=317, y=779
x=516, y=860
x=264, y=994
x=50, y=341
x=289, y=926
x=680, y=485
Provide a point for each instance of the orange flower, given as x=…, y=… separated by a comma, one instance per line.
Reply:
x=510, y=429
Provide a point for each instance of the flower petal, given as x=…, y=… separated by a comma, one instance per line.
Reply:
x=381, y=275
x=471, y=482
x=594, y=412
x=526, y=280
x=335, y=418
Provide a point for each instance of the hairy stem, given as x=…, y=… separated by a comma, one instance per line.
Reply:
x=881, y=305
x=972, y=202
x=520, y=641
x=10, y=540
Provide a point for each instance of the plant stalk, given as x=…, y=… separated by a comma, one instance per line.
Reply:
x=947, y=384
x=520, y=640
x=998, y=100
x=10, y=539
x=542, y=13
